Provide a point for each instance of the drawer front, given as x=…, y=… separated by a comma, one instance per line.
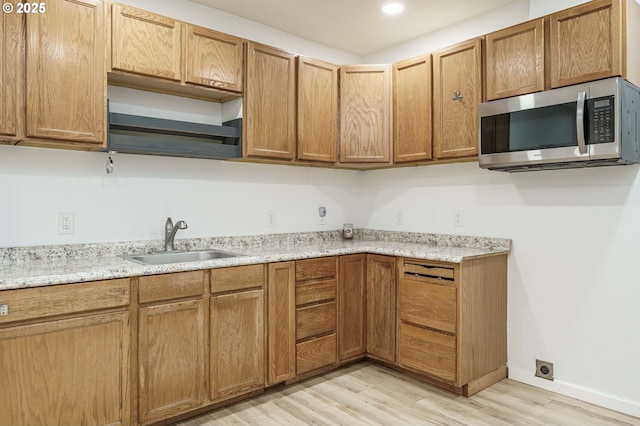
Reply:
x=155, y=288
x=316, y=269
x=428, y=305
x=315, y=291
x=315, y=320
x=427, y=351
x=316, y=353
x=39, y=302
x=237, y=278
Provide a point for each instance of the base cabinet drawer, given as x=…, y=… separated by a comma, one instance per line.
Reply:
x=315, y=320
x=316, y=353
x=427, y=351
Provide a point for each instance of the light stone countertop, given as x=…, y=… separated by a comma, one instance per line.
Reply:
x=22, y=267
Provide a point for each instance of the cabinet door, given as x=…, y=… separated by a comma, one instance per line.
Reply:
x=351, y=300
x=412, y=136
x=365, y=114
x=281, y=314
x=456, y=95
x=11, y=73
x=269, y=103
x=515, y=60
x=213, y=59
x=171, y=359
x=145, y=43
x=317, y=110
x=66, y=72
x=67, y=372
x=586, y=43
x=381, y=307
x=237, y=344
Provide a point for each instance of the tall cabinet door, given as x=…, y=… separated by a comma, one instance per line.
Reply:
x=281, y=314
x=66, y=72
x=317, y=110
x=412, y=135
x=269, y=103
x=365, y=114
x=351, y=306
x=11, y=74
x=457, y=76
x=381, y=307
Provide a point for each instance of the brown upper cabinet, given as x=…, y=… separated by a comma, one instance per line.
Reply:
x=11, y=71
x=457, y=92
x=317, y=110
x=412, y=94
x=269, y=103
x=365, y=114
x=515, y=60
x=166, y=50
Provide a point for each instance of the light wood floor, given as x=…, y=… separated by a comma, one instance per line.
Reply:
x=367, y=394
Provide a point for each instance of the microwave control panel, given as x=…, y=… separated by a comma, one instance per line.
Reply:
x=601, y=120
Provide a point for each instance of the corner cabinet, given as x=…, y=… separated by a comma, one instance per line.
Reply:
x=11, y=75
x=66, y=93
x=269, y=103
x=365, y=114
x=457, y=76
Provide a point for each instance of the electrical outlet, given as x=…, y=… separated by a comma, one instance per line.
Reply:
x=458, y=218
x=66, y=223
x=400, y=217
x=271, y=218
x=544, y=369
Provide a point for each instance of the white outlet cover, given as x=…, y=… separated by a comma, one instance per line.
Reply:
x=66, y=223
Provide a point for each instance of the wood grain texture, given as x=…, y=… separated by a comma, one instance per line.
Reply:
x=269, y=103
x=455, y=122
x=351, y=306
x=515, y=59
x=281, y=322
x=315, y=291
x=67, y=372
x=171, y=345
x=11, y=76
x=145, y=43
x=316, y=353
x=42, y=302
x=412, y=111
x=365, y=113
x=213, y=59
x=155, y=288
x=586, y=43
x=428, y=305
x=237, y=278
x=316, y=269
x=315, y=320
x=427, y=351
x=66, y=81
x=365, y=393
x=317, y=114
x=381, y=307
x=237, y=360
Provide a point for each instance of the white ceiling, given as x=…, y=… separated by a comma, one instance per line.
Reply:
x=356, y=26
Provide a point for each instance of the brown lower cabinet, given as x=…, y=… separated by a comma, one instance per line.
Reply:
x=351, y=307
x=381, y=307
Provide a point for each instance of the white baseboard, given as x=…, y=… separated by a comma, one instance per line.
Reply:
x=611, y=402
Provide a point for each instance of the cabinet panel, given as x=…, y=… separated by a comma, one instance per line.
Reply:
x=428, y=305
x=316, y=269
x=365, y=114
x=317, y=110
x=316, y=353
x=145, y=43
x=237, y=278
x=155, y=288
x=237, y=344
x=427, y=351
x=11, y=74
x=381, y=307
x=586, y=43
x=412, y=115
x=457, y=93
x=515, y=60
x=315, y=291
x=315, y=320
x=269, y=103
x=171, y=355
x=67, y=372
x=281, y=316
x=351, y=303
x=66, y=72
x=213, y=59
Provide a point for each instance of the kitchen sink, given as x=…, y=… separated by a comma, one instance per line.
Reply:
x=164, y=257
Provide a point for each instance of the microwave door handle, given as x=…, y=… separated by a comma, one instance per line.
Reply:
x=582, y=146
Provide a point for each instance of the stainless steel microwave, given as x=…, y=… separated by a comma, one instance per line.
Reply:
x=586, y=125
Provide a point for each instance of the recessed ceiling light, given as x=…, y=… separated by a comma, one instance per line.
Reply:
x=393, y=8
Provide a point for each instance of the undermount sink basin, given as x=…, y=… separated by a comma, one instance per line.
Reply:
x=163, y=257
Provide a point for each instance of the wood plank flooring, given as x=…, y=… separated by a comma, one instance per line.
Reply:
x=368, y=394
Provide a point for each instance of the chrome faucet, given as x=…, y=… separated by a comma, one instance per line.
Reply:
x=170, y=232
